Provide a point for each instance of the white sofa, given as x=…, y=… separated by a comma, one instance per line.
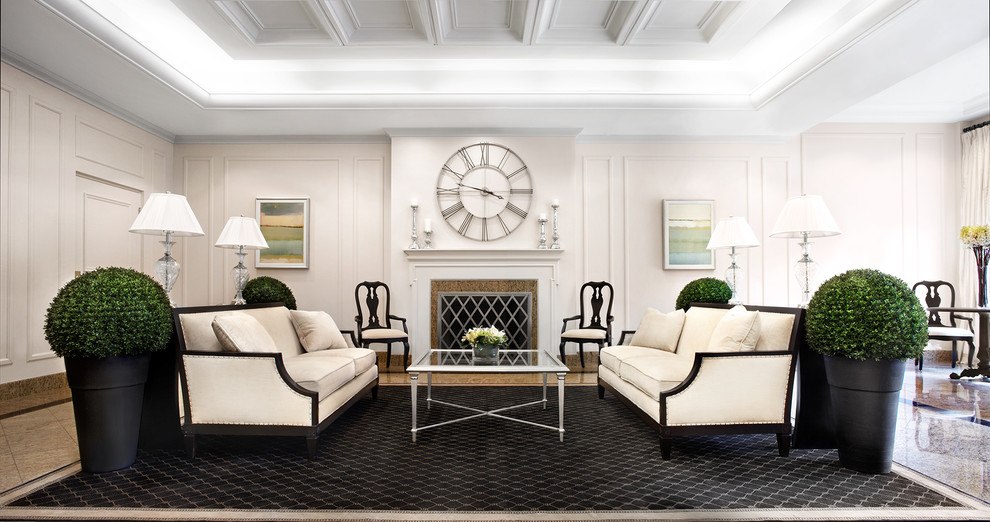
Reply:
x=291, y=373
x=695, y=374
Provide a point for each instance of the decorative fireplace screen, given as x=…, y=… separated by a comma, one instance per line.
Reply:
x=511, y=312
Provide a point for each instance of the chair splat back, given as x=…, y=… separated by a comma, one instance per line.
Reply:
x=593, y=296
x=942, y=326
x=373, y=305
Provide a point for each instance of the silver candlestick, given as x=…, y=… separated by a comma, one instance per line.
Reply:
x=415, y=238
x=428, y=242
x=556, y=236
x=543, y=233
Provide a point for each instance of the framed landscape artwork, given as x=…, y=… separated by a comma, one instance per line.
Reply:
x=285, y=225
x=687, y=228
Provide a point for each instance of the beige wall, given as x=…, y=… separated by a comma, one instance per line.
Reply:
x=891, y=187
x=49, y=140
x=347, y=186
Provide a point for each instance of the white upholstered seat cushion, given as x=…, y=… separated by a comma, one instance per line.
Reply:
x=317, y=330
x=653, y=373
x=659, y=330
x=383, y=333
x=363, y=358
x=612, y=356
x=949, y=331
x=591, y=334
x=323, y=375
x=737, y=331
x=239, y=332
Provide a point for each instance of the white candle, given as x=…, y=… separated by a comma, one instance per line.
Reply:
x=414, y=203
x=543, y=217
x=426, y=225
x=556, y=202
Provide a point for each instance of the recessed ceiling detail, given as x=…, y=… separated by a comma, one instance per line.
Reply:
x=641, y=68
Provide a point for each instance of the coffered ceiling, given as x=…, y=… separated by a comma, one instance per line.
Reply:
x=301, y=70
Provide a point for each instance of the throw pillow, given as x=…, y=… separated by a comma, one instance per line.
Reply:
x=659, y=330
x=239, y=332
x=737, y=331
x=317, y=330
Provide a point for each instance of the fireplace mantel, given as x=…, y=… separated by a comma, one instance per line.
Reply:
x=428, y=264
x=483, y=254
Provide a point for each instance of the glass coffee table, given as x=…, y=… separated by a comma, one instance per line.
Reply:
x=509, y=361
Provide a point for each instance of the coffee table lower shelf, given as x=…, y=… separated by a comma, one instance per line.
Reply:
x=497, y=413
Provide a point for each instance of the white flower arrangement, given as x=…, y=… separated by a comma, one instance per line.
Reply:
x=490, y=335
x=974, y=236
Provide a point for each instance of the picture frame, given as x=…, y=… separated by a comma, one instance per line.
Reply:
x=687, y=228
x=285, y=224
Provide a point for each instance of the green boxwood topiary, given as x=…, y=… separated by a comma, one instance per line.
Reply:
x=108, y=312
x=264, y=289
x=704, y=290
x=867, y=315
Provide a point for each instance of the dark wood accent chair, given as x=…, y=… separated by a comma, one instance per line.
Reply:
x=942, y=325
x=374, y=320
x=593, y=326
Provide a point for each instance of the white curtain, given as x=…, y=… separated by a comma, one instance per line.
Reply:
x=975, y=207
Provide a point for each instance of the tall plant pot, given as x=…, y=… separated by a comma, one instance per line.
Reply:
x=864, y=405
x=106, y=398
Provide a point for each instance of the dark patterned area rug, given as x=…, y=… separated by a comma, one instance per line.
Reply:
x=608, y=466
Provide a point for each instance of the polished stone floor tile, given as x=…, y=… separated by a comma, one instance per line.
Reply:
x=38, y=443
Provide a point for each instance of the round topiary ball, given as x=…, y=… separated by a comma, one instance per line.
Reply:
x=108, y=312
x=264, y=289
x=867, y=314
x=704, y=290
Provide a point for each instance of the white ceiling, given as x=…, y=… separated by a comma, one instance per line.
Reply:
x=313, y=70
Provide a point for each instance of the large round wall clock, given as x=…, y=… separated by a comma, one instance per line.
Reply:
x=484, y=191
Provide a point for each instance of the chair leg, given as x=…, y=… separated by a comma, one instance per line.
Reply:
x=190, y=441
x=921, y=362
x=665, y=444
x=405, y=354
x=601, y=391
x=972, y=350
x=563, y=358
x=955, y=354
x=374, y=393
x=388, y=354
x=783, y=444
x=581, y=351
x=312, y=442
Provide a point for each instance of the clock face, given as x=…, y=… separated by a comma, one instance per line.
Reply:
x=484, y=191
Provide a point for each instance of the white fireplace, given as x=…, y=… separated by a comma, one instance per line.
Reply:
x=428, y=265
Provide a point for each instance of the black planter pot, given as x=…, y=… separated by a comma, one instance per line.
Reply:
x=106, y=399
x=864, y=404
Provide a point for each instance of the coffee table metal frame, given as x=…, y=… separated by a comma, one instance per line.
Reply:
x=510, y=361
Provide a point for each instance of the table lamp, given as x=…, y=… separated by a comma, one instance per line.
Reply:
x=733, y=232
x=803, y=217
x=169, y=215
x=240, y=233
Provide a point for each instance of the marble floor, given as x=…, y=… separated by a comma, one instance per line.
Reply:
x=943, y=429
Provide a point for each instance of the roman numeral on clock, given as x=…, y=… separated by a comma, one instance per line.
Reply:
x=465, y=224
x=516, y=210
x=468, y=162
x=451, y=210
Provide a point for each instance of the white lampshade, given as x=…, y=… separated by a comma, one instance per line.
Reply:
x=805, y=215
x=733, y=232
x=166, y=212
x=241, y=231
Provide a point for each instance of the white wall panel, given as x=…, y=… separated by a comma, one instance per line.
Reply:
x=597, y=219
x=862, y=179
x=44, y=188
x=106, y=154
x=6, y=116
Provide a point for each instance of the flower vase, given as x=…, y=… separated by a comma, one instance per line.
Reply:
x=486, y=354
x=982, y=254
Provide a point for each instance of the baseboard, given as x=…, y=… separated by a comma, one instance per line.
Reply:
x=27, y=395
